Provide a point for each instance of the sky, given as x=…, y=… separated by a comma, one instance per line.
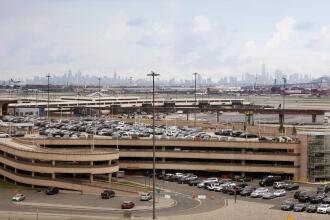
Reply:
x=215, y=38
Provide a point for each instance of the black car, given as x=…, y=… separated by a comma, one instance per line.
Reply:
x=243, y=184
x=322, y=189
x=247, y=191
x=291, y=186
x=245, y=179
x=52, y=191
x=287, y=206
x=107, y=194
x=296, y=194
x=326, y=200
x=303, y=198
x=194, y=182
x=270, y=180
x=316, y=199
x=311, y=208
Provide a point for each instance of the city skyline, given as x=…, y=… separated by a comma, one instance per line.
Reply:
x=174, y=38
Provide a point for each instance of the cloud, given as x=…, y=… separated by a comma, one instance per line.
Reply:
x=202, y=24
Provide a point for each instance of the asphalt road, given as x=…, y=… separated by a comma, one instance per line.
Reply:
x=181, y=193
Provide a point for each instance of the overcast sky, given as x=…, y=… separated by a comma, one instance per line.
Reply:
x=174, y=38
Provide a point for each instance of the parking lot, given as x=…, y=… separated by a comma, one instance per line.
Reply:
x=117, y=129
x=185, y=200
x=309, y=194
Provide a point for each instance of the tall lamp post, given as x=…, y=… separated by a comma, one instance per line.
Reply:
x=195, y=74
x=48, y=76
x=283, y=104
x=153, y=74
x=99, y=96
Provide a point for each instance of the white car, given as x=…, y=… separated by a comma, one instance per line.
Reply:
x=259, y=192
x=323, y=208
x=18, y=198
x=145, y=196
x=279, y=193
x=4, y=135
x=212, y=186
x=212, y=179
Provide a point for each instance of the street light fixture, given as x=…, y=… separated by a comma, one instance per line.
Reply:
x=283, y=104
x=153, y=74
x=99, y=96
x=195, y=74
x=48, y=76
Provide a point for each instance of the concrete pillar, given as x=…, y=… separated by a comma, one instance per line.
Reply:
x=15, y=170
x=313, y=118
x=280, y=118
x=91, y=163
x=109, y=177
x=32, y=174
x=91, y=177
x=218, y=117
x=15, y=157
x=187, y=115
x=53, y=176
x=53, y=162
x=109, y=162
x=163, y=148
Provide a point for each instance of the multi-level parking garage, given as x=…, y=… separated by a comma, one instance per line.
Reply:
x=25, y=162
x=227, y=157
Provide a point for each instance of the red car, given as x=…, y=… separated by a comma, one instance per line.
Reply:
x=127, y=205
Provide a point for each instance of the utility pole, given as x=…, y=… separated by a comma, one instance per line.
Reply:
x=153, y=74
x=195, y=74
x=48, y=76
x=283, y=104
x=99, y=96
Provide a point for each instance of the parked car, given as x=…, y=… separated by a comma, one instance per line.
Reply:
x=145, y=196
x=299, y=207
x=268, y=195
x=18, y=198
x=279, y=185
x=322, y=209
x=311, y=208
x=280, y=192
x=194, y=182
x=107, y=194
x=52, y=191
x=316, y=199
x=303, y=197
x=127, y=205
x=287, y=205
x=259, y=192
x=247, y=191
x=322, y=189
x=296, y=194
x=269, y=180
x=4, y=135
x=291, y=186
x=326, y=200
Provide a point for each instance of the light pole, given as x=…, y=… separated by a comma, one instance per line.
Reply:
x=195, y=74
x=153, y=74
x=283, y=104
x=99, y=96
x=48, y=76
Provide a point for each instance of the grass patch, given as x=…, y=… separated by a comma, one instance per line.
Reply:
x=7, y=185
x=135, y=185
